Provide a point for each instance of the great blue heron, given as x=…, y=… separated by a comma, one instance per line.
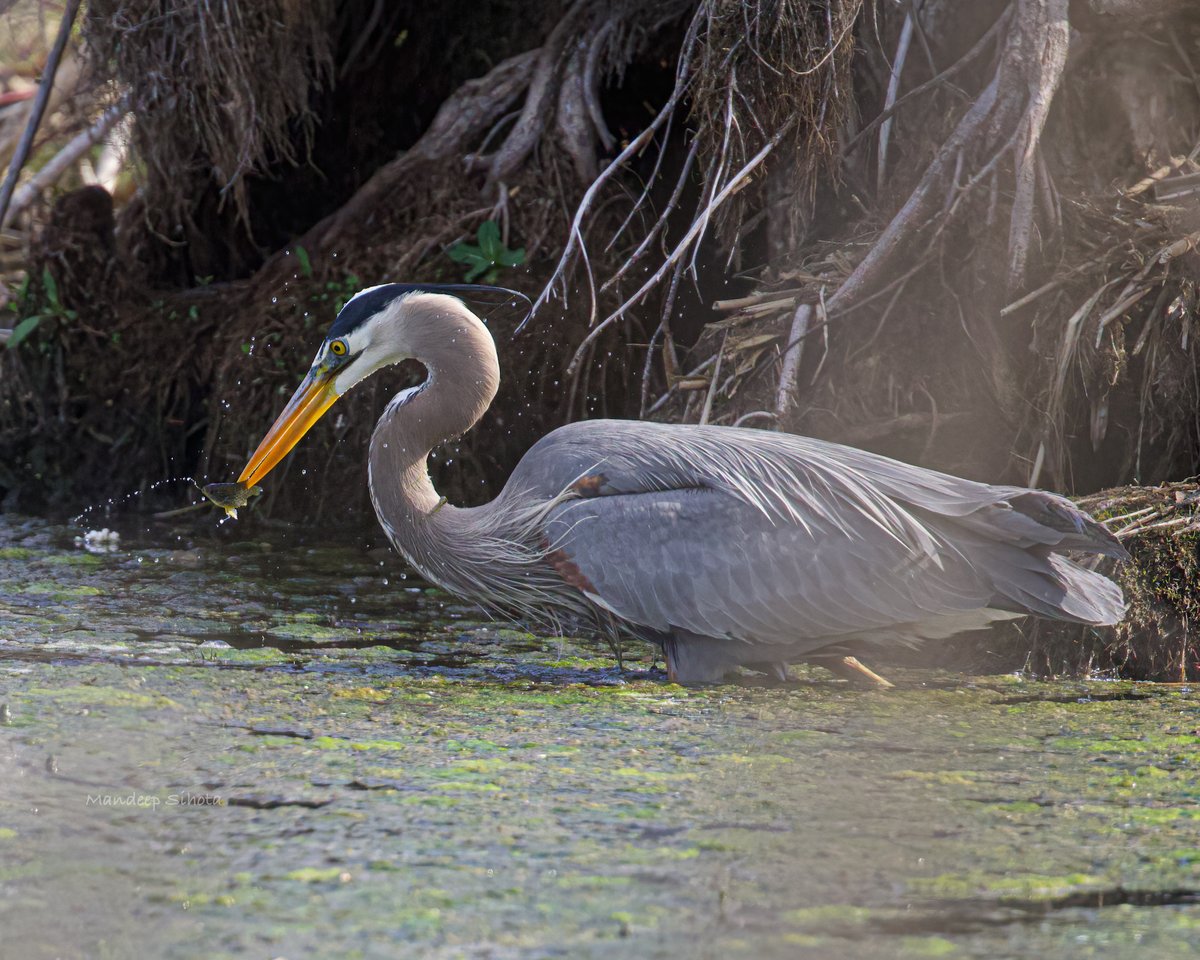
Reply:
x=727, y=546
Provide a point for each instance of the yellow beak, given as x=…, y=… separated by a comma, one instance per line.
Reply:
x=312, y=398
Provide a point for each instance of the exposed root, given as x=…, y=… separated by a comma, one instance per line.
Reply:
x=537, y=110
x=573, y=121
x=464, y=117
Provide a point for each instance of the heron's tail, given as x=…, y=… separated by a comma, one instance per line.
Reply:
x=1079, y=531
x=1057, y=587
x=1022, y=544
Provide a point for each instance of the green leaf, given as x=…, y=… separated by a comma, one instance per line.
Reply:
x=512, y=258
x=490, y=244
x=485, y=259
x=302, y=259
x=472, y=257
x=22, y=330
x=463, y=253
x=50, y=287
x=16, y=304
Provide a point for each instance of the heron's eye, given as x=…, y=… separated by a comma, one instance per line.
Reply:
x=338, y=348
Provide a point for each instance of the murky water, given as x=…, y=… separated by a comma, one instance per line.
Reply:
x=239, y=750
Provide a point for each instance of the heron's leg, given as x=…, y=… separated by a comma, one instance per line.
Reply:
x=692, y=658
x=854, y=670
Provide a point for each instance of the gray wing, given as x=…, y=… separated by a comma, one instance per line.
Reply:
x=785, y=540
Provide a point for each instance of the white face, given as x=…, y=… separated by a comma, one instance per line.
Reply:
x=417, y=324
x=373, y=345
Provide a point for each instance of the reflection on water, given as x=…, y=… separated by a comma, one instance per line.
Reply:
x=279, y=750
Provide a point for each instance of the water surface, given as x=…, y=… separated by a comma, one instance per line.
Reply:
x=246, y=749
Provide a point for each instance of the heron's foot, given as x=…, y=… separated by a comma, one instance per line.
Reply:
x=855, y=671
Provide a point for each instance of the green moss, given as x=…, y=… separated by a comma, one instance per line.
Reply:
x=654, y=776
x=368, y=694
x=594, y=882
x=313, y=633
x=52, y=590
x=248, y=655
x=945, y=778
x=829, y=914
x=531, y=810
x=319, y=875
x=102, y=696
x=1156, y=816
x=7, y=833
x=928, y=947
x=376, y=744
x=1030, y=886
x=432, y=800
x=581, y=663
x=467, y=786
x=1017, y=806
x=489, y=765
x=73, y=560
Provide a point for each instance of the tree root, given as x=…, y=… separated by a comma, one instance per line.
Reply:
x=532, y=120
x=462, y=119
x=999, y=119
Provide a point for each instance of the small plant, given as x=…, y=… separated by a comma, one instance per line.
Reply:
x=340, y=291
x=485, y=259
x=303, y=261
x=51, y=309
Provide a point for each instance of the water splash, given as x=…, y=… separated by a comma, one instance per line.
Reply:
x=112, y=503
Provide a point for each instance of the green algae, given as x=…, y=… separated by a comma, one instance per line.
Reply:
x=484, y=785
x=928, y=947
x=319, y=875
x=1025, y=887
x=839, y=914
x=54, y=590
x=451, y=786
x=71, y=559
x=100, y=696
x=368, y=694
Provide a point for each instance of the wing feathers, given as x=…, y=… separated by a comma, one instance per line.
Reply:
x=781, y=539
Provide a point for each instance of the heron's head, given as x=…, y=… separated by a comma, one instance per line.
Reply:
x=377, y=327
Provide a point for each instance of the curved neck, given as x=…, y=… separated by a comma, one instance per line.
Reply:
x=463, y=375
x=493, y=554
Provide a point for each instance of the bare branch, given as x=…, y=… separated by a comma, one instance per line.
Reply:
x=893, y=87
x=793, y=354
x=39, y=107
x=62, y=161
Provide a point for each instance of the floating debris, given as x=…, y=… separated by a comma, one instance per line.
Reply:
x=5, y=714
x=229, y=496
x=99, y=541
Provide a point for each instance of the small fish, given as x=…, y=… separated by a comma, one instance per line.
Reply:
x=230, y=496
